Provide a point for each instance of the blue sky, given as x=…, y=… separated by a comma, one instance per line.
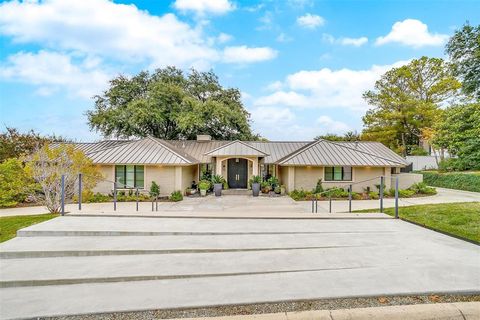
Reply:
x=301, y=65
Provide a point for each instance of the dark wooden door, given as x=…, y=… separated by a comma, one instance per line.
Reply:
x=237, y=173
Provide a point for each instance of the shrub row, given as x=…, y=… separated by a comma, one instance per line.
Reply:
x=416, y=189
x=459, y=181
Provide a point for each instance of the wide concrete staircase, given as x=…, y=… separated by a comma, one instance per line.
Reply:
x=77, y=265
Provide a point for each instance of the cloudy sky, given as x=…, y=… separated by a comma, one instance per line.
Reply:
x=301, y=65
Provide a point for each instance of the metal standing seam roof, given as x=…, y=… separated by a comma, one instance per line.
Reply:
x=328, y=153
x=274, y=150
x=145, y=151
x=236, y=148
x=88, y=147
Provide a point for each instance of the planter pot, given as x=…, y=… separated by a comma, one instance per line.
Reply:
x=203, y=193
x=282, y=191
x=217, y=188
x=256, y=189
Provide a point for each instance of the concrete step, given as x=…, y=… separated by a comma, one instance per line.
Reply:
x=37, y=247
x=95, y=269
x=129, y=226
x=58, y=300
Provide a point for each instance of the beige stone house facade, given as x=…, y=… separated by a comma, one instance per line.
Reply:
x=175, y=164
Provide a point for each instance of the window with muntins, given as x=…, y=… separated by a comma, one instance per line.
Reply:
x=130, y=176
x=338, y=173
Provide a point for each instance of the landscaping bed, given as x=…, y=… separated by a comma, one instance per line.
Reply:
x=467, y=181
x=457, y=219
x=10, y=225
x=417, y=190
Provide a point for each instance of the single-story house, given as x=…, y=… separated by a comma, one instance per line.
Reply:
x=174, y=164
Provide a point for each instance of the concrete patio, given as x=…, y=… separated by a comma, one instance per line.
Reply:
x=126, y=264
x=248, y=206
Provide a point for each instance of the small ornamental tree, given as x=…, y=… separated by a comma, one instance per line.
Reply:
x=47, y=166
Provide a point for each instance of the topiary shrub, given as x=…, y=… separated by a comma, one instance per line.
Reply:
x=318, y=187
x=176, y=196
x=154, y=189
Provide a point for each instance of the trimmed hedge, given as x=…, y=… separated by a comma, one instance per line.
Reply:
x=459, y=181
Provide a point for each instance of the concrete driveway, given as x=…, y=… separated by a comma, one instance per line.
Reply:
x=78, y=265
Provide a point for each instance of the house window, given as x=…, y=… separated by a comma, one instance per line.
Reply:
x=338, y=173
x=130, y=176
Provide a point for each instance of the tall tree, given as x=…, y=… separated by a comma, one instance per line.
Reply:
x=463, y=49
x=459, y=133
x=406, y=100
x=348, y=136
x=14, y=143
x=168, y=104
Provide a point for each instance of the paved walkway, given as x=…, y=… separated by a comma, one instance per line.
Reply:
x=247, y=206
x=78, y=265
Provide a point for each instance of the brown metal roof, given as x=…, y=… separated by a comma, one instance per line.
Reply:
x=145, y=151
x=236, y=148
x=328, y=153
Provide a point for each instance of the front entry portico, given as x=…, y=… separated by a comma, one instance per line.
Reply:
x=237, y=173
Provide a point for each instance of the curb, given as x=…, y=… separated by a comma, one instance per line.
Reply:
x=454, y=311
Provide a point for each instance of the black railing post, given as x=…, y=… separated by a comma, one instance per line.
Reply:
x=114, y=196
x=396, y=197
x=79, y=192
x=312, y=205
x=62, y=197
x=153, y=199
x=330, y=203
x=350, y=198
x=137, y=197
x=316, y=205
x=381, y=192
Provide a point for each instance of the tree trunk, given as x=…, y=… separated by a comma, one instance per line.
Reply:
x=404, y=145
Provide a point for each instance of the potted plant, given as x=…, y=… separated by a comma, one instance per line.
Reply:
x=265, y=187
x=277, y=190
x=255, y=183
x=283, y=190
x=217, y=181
x=203, y=185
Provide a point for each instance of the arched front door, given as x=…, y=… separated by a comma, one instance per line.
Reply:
x=237, y=173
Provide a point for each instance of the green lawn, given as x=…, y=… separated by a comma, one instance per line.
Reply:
x=459, y=219
x=10, y=225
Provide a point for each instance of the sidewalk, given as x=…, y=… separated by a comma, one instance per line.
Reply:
x=451, y=311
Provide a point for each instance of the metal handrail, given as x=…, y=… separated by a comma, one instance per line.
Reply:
x=350, y=187
x=138, y=191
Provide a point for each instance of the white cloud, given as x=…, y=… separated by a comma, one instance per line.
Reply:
x=51, y=71
x=413, y=33
x=326, y=88
x=202, y=7
x=271, y=115
x=330, y=125
x=356, y=42
x=310, y=21
x=104, y=28
x=285, y=98
x=223, y=37
x=244, y=54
